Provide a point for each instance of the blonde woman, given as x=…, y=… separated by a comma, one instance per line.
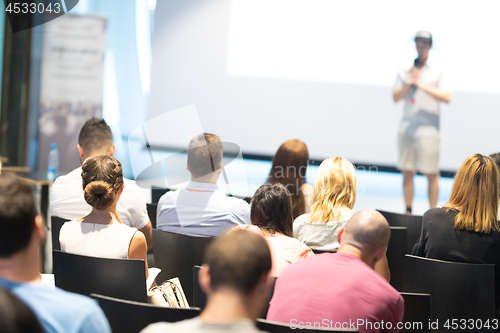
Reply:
x=333, y=202
x=466, y=229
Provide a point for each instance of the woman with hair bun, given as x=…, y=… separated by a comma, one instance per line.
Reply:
x=101, y=233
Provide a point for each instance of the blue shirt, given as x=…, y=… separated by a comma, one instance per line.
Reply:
x=200, y=210
x=60, y=311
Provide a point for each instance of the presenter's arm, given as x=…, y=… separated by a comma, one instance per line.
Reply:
x=436, y=93
x=399, y=94
x=138, y=249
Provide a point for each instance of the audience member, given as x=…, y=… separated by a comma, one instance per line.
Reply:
x=201, y=209
x=66, y=194
x=289, y=168
x=235, y=278
x=466, y=228
x=333, y=200
x=342, y=287
x=22, y=233
x=15, y=316
x=271, y=216
x=101, y=233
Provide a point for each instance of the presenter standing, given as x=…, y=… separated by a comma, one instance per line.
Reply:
x=423, y=87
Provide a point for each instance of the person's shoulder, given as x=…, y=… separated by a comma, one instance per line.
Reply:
x=62, y=180
x=67, y=302
x=439, y=212
x=302, y=219
x=168, y=196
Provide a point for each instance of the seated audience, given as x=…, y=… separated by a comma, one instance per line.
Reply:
x=102, y=233
x=15, y=316
x=66, y=194
x=343, y=286
x=271, y=216
x=333, y=200
x=201, y=209
x=235, y=278
x=466, y=229
x=22, y=233
x=289, y=168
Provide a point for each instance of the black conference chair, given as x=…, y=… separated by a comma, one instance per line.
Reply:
x=56, y=224
x=131, y=317
x=199, y=297
x=156, y=194
x=396, y=250
x=176, y=255
x=274, y=327
x=458, y=290
x=120, y=278
x=320, y=251
x=151, y=207
x=412, y=222
x=417, y=312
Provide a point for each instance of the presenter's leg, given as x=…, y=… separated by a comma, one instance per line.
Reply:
x=408, y=188
x=428, y=150
x=433, y=189
x=407, y=164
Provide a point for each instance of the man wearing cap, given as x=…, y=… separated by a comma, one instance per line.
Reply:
x=423, y=86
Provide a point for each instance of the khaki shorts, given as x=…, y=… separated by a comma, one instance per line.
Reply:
x=419, y=154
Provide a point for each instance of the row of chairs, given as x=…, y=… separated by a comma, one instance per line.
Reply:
x=177, y=254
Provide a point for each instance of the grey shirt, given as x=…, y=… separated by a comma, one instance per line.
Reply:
x=196, y=325
x=317, y=235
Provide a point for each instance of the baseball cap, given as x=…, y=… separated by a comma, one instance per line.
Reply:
x=423, y=36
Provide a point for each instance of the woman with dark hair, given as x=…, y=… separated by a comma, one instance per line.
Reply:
x=289, y=168
x=271, y=216
x=466, y=229
x=101, y=233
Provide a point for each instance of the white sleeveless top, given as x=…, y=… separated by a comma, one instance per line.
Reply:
x=96, y=240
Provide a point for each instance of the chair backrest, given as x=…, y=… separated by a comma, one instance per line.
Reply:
x=199, y=297
x=120, y=278
x=396, y=250
x=176, y=255
x=412, y=222
x=156, y=194
x=152, y=213
x=55, y=227
x=275, y=327
x=320, y=251
x=132, y=317
x=417, y=312
x=457, y=290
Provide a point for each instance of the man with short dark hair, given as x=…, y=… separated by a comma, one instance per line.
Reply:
x=342, y=287
x=22, y=232
x=66, y=194
x=201, y=209
x=235, y=277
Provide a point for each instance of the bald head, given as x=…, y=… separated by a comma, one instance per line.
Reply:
x=367, y=230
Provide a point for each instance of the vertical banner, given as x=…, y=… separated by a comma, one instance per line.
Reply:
x=71, y=88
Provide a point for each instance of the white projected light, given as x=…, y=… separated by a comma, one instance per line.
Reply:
x=261, y=72
x=335, y=41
